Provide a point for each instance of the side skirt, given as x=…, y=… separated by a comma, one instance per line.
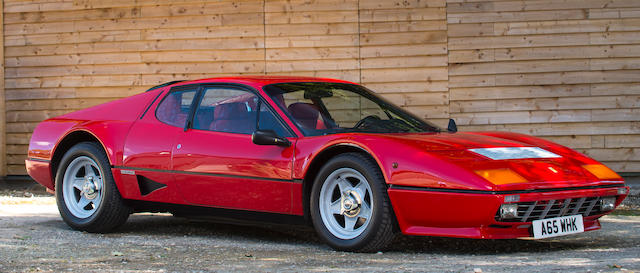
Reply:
x=231, y=216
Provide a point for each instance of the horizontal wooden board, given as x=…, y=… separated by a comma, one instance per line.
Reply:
x=407, y=26
x=572, y=141
x=424, y=37
x=136, y=23
x=389, y=15
x=561, y=129
x=624, y=166
x=312, y=53
x=401, y=4
x=408, y=86
x=403, y=50
x=137, y=68
x=138, y=46
x=458, y=18
x=520, y=117
x=311, y=29
x=457, y=43
x=519, y=67
x=512, y=92
x=540, y=5
x=573, y=52
x=530, y=104
x=305, y=5
x=404, y=74
x=411, y=61
x=313, y=17
x=621, y=141
x=614, y=154
x=417, y=99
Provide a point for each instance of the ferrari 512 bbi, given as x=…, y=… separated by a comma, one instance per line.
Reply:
x=322, y=152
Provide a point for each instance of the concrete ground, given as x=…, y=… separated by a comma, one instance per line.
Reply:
x=33, y=238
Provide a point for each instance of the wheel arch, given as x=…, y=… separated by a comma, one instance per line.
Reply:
x=319, y=160
x=69, y=140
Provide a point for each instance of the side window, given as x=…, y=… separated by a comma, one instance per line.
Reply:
x=225, y=109
x=268, y=121
x=174, y=108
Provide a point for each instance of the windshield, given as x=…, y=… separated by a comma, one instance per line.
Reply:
x=320, y=108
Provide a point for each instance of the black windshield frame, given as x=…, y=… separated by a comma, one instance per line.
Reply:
x=419, y=124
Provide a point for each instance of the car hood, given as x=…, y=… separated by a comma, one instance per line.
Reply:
x=447, y=160
x=455, y=141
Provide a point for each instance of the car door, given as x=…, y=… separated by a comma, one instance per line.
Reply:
x=146, y=170
x=216, y=163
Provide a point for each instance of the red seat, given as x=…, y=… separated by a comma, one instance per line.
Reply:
x=169, y=111
x=307, y=115
x=232, y=117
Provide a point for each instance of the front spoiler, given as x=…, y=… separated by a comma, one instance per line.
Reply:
x=467, y=214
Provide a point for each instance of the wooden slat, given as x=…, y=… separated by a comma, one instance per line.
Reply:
x=512, y=92
x=541, y=5
x=3, y=118
x=600, y=102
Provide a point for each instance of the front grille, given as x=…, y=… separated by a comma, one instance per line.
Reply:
x=530, y=211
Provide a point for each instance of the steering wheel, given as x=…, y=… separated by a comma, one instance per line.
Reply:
x=367, y=119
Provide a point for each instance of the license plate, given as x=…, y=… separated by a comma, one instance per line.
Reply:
x=558, y=226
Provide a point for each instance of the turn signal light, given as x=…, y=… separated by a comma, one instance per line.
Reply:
x=501, y=176
x=601, y=171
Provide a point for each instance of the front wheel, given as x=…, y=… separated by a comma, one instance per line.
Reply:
x=350, y=208
x=86, y=193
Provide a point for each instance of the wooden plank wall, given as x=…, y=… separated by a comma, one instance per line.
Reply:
x=568, y=71
x=3, y=120
x=64, y=55
x=565, y=70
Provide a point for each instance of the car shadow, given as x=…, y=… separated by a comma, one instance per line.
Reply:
x=167, y=225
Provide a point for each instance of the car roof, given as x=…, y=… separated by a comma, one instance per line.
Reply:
x=256, y=81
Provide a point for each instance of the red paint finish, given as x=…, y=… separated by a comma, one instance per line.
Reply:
x=40, y=172
x=227, y=170
x=470, y=215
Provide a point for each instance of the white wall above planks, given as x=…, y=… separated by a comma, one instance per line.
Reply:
x=564, y=70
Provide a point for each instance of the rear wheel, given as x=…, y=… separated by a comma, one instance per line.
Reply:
x=350, y=208
x=86, y=193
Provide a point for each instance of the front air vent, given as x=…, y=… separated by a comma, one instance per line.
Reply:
x=530, y=211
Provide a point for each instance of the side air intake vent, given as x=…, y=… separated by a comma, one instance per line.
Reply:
x=147, y=185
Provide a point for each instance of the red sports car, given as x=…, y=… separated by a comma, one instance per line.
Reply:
x=322, y=152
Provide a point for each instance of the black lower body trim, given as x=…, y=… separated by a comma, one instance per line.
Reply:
x=208, y=174
x=232, y=216
x=503, y=192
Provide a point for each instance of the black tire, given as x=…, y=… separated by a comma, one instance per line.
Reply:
x=380, y=230
x=112, y=212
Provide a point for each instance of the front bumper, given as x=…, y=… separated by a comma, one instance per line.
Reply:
x=40, y=171
x=469, y=214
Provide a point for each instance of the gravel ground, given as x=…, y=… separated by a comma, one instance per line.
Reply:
x=33, y=238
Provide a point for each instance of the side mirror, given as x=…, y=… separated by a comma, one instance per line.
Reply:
x=452, y=128
x=269, y=137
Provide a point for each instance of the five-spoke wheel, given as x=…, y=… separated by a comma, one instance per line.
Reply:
x=82, y=187
x=349, y=206
x=345, y=203
x=86, y=194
